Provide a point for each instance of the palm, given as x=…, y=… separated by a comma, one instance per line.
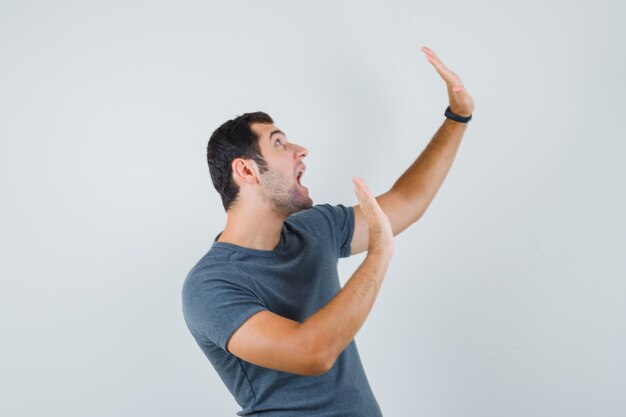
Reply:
x=461, y=102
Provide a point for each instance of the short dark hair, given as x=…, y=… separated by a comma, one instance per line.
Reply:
x=234, y=139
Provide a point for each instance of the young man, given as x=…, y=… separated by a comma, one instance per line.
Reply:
x=265, y=304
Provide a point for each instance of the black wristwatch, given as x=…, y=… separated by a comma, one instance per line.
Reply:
x=456, y=117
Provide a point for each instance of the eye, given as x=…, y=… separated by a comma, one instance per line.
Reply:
x=278, y=140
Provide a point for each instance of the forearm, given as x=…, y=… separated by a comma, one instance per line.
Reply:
x=421, y=181
x=332, y=328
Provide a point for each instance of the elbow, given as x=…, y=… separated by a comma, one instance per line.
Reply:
x=317, y=362
x=315, y=352
x=320, y=363
x=320, y=367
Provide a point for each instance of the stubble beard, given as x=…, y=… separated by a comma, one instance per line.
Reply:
x=286, y=199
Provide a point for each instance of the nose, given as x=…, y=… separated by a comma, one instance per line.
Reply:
x=301, y=152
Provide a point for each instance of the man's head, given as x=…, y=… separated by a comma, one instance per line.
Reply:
x=249, y=152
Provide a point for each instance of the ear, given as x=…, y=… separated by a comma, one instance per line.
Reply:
x=245, y=170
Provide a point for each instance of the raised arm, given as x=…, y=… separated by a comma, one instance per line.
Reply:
x=412, y=193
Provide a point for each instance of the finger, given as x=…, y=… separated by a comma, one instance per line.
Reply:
x=360, y=183
x=443, y=71
x=359, y=194
x=433, y=58
x=365, y=197
x=358, y=190
x=448, y=75
x=363, y=202
x=430, y=54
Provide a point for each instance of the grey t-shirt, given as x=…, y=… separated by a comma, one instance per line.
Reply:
x=230, y=283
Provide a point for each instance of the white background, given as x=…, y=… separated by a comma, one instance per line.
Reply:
x=506, y=299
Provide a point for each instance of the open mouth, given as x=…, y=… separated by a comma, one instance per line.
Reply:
x=299, y=178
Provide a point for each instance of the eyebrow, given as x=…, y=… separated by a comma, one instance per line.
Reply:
x=276, y=132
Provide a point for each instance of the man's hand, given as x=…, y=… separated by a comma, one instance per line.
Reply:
x=461, y=102
x=411, y=194
x=380, y=231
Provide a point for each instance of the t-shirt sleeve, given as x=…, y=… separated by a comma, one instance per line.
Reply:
x=216, y=304
x=341, y=220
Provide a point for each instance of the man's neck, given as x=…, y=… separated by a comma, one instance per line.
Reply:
x=257, y=228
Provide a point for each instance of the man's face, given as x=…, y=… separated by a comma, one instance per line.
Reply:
x=281, y=181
